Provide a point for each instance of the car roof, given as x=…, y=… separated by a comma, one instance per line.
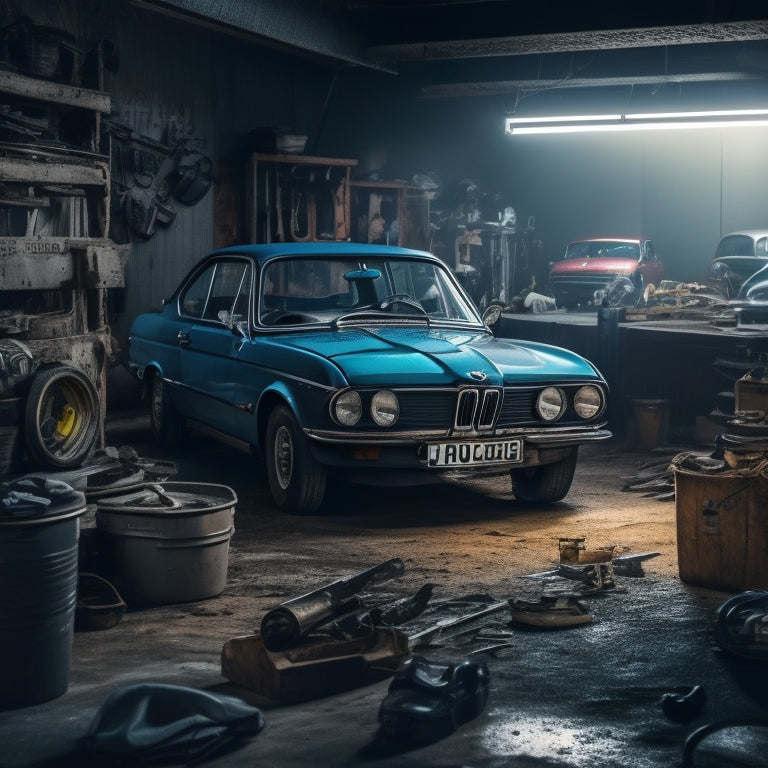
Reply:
x=604, y=238
x=600, y=238
x=754, y=233
x=264, y=252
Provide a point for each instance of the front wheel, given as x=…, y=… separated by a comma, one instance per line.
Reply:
x=545, y=484
x=296, y=479
x=62, y=417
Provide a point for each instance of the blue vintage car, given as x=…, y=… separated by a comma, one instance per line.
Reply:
x=367, y=363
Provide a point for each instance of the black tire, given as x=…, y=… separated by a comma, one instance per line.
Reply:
x=296, y=479
x=168, y=428
x=62, y=418
x=544, y=484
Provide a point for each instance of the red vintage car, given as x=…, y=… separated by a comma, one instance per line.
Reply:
x=611, y=271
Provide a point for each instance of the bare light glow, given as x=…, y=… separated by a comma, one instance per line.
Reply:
x=638, y=121
x=568, y=119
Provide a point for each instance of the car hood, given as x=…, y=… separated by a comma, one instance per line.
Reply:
x=595, y=265
x=424, y=356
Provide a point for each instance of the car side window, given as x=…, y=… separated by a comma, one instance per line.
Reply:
x=227, y=284
x=649, y=253
x=192, y=301
x=240, y=308
x=223, y=285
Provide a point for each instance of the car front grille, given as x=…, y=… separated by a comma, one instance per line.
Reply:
x=581, y=280
x=479, y=409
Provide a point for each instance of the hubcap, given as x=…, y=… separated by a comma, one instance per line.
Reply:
x=283, y=457
x=63, y=417
x=157, y=402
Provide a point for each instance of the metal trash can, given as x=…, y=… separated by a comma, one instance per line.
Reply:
x=167, y=542
x=39, y=532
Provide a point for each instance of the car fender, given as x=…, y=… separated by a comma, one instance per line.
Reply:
x=276, y=394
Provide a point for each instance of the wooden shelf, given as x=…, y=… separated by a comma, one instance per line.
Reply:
x=55, y=93
x=287, y=206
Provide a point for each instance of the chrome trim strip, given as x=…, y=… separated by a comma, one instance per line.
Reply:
x=562, y=436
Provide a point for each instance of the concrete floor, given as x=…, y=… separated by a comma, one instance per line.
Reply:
x=587, y=695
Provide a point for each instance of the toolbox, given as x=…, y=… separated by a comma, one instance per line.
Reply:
x=318, y=667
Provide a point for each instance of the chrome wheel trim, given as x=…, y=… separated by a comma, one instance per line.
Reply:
x=283, y=449
x=157, y=402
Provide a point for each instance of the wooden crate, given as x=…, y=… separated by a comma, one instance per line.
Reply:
x=722, y=528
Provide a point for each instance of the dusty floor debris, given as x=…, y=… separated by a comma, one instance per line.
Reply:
x=589, y=694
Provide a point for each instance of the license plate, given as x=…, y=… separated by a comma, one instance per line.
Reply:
x=470, y=454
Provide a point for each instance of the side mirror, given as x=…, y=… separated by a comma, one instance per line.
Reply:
x=235, y=323
x=492, y=314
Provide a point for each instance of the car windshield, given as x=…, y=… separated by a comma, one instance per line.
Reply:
x=741, y=245
x=590, y=249
x=301, y=290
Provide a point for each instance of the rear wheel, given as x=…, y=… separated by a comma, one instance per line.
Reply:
x=296, y=479
x=62, y=417
x=545, y=484
x=167, y=424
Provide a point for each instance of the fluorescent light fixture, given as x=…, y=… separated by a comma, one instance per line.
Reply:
x=647, y=121
x=576, y=119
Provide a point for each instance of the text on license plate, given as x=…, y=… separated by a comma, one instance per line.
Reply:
x=470, y=453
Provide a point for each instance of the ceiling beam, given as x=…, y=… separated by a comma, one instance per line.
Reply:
x=641, y=37
x=503, y=87
x=305, y=27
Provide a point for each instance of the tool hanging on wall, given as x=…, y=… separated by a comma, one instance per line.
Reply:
x=303, y=204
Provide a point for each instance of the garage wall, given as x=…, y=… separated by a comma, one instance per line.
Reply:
x=682, y=190
x=685, y=190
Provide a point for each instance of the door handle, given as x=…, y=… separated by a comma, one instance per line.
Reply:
x=183, y=338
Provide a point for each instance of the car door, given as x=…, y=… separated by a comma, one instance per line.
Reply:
x=210, y=346
x=651, y=267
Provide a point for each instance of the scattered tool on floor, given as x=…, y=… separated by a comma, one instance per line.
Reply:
x=427, y=701
x=654, y=480
x=682, y=707
x=550, y=612
x=426, y=636
x=286, y=624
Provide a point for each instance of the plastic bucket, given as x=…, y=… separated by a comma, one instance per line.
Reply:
x=38, y=596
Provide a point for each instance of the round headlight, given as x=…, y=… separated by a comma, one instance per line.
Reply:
x=550, y=404
x=348, y=408
x=385, y=409
x=588, y=402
